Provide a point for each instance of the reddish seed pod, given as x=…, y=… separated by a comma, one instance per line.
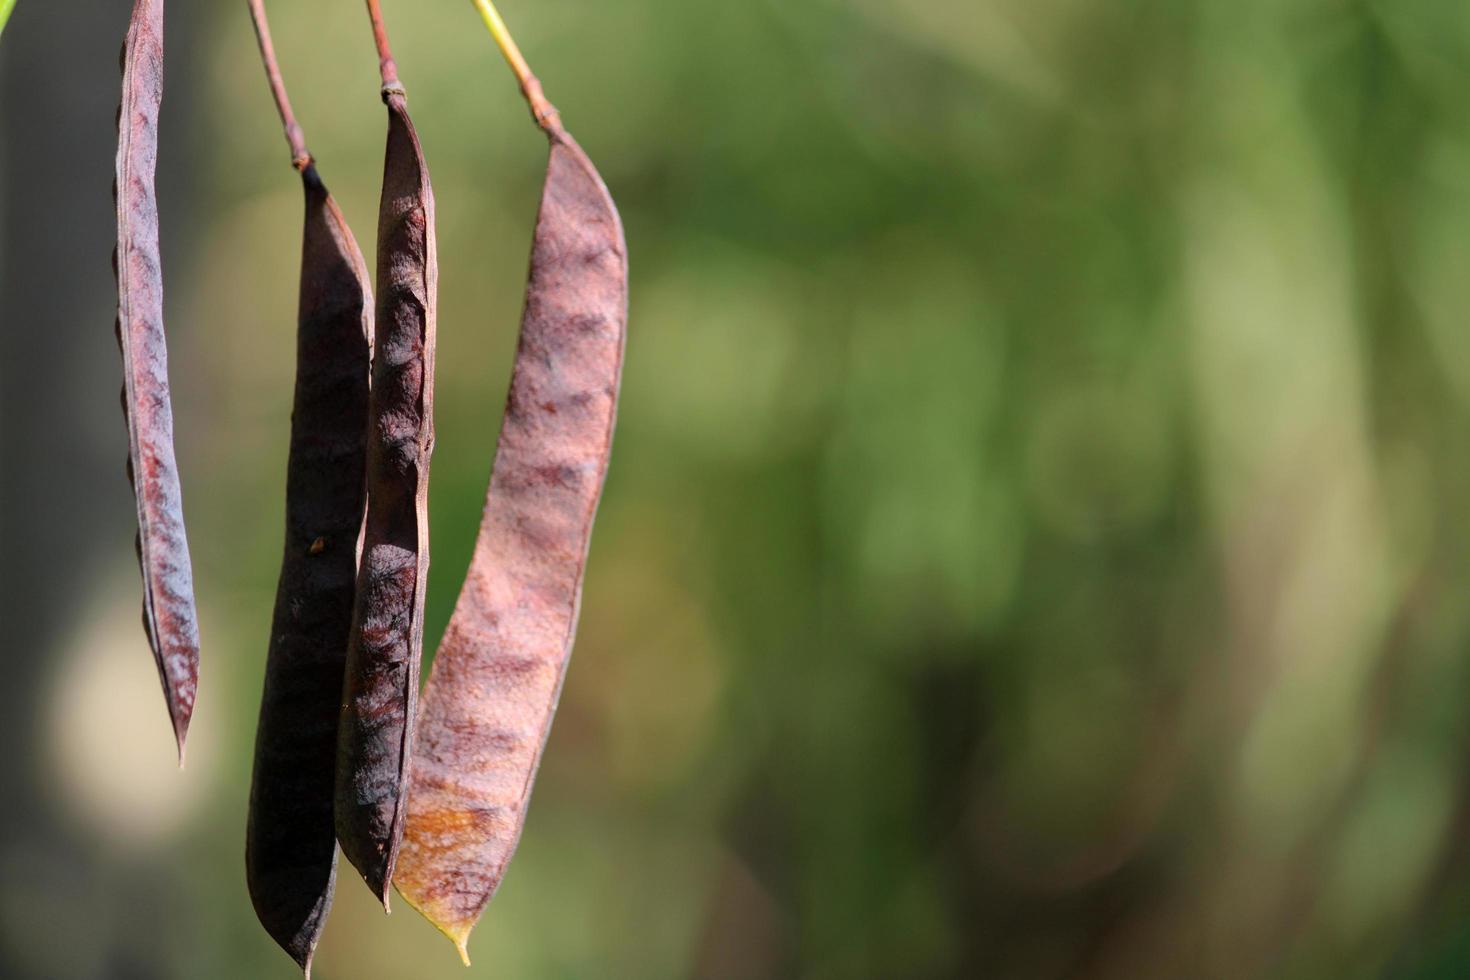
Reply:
x=490, y=698
x=169, y=616
x=291, y=842
x=380, y=692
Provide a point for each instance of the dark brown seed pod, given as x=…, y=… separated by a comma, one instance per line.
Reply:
x=290, y=840
x=380, y=693
x=491, y=695
x=169, y=615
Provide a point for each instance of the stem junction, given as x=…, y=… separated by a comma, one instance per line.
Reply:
x=542, y=110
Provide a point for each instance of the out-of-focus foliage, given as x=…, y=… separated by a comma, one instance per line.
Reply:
x=1037, y=538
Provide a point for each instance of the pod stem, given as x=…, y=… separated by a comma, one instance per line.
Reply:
x=6, y=6
x=300, y=156
x=542, y=110
x=387, y=67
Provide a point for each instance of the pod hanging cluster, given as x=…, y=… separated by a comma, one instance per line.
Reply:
x=430, y=800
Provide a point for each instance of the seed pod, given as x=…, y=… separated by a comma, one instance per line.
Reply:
x=380, y=693
x=291, y=841
x=489, y=701
x=169, y=616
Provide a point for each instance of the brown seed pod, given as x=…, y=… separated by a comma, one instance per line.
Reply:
x=169, y=615
x=380, y=693
x=490, y=698
x=291, y=841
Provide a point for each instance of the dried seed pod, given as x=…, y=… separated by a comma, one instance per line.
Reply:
x=488, y=705
x=169, y=616
x=291, y=841
x=380, y=693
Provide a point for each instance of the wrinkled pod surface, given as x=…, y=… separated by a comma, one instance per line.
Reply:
x=380, y=692
x=497, y=676
x=169, y=616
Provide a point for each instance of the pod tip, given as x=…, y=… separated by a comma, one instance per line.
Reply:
x=457, y=932
x=179, y=716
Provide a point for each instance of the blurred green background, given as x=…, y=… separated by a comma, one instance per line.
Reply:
x=1036, y=542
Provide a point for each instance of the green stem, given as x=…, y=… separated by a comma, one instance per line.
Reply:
x=6, y=6
x=544, y=112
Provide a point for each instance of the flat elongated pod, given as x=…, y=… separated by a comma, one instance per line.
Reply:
x=169, y=615
x=380, y=693
x=291, y=841
x=489, y=701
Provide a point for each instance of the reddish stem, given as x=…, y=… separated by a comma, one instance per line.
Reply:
x=300, y=157
x=387, y=67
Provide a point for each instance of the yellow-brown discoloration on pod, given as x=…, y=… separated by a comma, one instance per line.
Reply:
x=489, y=702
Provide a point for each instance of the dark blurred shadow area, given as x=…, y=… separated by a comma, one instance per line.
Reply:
x=1036, y=542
